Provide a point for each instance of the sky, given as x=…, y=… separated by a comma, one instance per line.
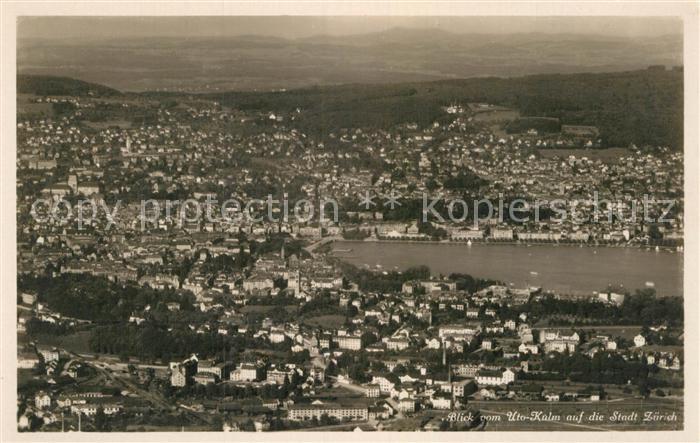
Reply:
x=70, y=28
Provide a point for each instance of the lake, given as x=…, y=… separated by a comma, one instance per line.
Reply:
x=563, y=269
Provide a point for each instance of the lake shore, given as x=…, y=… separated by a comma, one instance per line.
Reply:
x=564, y=269
x=510, y=243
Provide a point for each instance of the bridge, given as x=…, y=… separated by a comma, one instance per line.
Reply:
x=324, y=241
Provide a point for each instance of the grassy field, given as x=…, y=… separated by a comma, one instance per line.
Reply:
x=325, y=321
x=250, y=309
x=25, y=106
x=77, y=342
x=108, y=124
x=496, y=116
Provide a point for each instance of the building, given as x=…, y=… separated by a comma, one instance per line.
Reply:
x=385, y=386
x=460, y=333
x=90, y=409
x=42, y=400
x=466, y=234
x=441, y=401
x=554, y=341
x=429, y=286
x=462, y=388
x=259, y=282
x=528, y=348
x=382, y=412
x=351, y=342
x=325, y=341
x=397, y=343
x=639, y=340
x=502, y=234
x=372, y=390
x=210, y=367
x=48, y=354
x=180, y=375
x=182, y=372
x=28, y=298
x=434, y=343
x=88, y=189
x=611, y=298
x=204, y=378
x=485, y=377
x=248, y=372
x=465, y=370
x=59, y=189
x=317, y=374
x=277, y=336
x=308, y=412
x=407, y=405
x=27, y=360
x=277, y=376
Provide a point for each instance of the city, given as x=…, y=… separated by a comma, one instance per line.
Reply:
x=136, y=311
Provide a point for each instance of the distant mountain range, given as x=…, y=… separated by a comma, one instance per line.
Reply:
x=394, y=56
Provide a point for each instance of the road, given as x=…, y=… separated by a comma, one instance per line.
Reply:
x=105, y=369
x=324, y=241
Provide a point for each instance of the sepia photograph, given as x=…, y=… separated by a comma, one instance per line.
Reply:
x=349, y=223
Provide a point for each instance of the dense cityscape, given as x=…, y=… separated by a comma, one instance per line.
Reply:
x=136, y=314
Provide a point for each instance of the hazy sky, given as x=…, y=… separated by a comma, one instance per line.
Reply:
x=296, y=27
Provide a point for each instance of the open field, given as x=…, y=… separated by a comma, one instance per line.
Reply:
x=77, y=342
x=325, y=321
x=250, y=309
x=26, y=106
x=108, y=124
x=496, y=116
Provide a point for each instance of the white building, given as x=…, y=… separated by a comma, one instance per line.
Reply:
x=42, y=400
x=494, y=378
x=528, y=348
x=247, y=372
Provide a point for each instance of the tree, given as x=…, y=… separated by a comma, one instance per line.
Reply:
x=101, y=421
x=368, y=338
x=644, y=389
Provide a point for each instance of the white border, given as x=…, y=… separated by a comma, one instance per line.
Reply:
x=8, y=340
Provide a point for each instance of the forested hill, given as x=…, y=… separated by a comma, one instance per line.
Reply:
x=50, y=85
x=640, y=107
